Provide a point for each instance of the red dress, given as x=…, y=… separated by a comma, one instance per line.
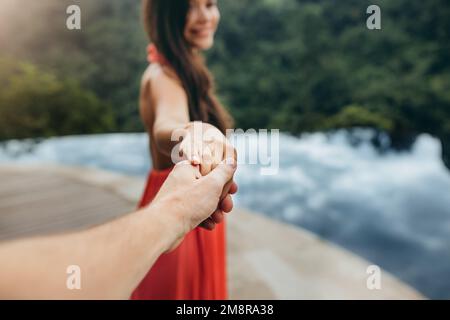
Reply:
x=196, y=270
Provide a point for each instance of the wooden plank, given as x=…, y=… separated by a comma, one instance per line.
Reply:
x=40, y=203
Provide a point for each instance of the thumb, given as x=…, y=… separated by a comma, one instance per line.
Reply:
x=223, y=173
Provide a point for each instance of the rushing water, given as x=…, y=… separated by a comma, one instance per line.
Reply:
x=392, y=208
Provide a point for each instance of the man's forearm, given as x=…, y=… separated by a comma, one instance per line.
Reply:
x=112, y=258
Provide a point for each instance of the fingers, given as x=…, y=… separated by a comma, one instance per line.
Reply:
x=190, y=150
x=217, y=154
x=230, y=188
x=207, y=160
x=185, y=148
x=226, y=190
x=222, y=175
x=208, y=224
x=186, y=171
x=208, y=149
x=226, y=204
x=230, y=152
x=196, y=156
x=233, y=188
x=217, y=216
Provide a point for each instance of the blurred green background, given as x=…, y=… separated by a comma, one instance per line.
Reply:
x=296, y=65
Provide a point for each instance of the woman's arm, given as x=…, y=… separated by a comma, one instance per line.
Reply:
x=169, y=108
x=164, y=110
x=169, y=120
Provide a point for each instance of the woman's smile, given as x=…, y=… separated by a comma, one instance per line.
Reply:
x=203, y=32
x=201, y=23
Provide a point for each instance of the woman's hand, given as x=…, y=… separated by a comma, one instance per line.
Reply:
x=204, y=145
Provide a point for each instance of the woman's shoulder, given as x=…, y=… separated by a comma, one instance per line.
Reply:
x=151, y=74
x=160, y=81
x=156, y=73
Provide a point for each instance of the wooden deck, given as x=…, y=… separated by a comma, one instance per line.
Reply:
x=45, y=202
x=266, y=259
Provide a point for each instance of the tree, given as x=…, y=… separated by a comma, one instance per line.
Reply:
x=38, y=104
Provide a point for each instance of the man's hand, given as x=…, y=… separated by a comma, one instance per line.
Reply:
x=204, y=145
x=192, y=199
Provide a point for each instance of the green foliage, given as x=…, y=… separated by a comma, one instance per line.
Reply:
x=107, y=55
x=313, y=65
x=299, y=65
x=37, y=104
x=357, y=116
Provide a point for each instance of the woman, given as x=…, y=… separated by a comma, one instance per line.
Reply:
x=176, y=93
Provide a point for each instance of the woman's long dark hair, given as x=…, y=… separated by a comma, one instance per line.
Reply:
x=165, y=21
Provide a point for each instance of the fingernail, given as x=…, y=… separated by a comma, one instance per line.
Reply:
x=195, y=160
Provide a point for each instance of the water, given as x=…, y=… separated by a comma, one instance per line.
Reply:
x=393, y=209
